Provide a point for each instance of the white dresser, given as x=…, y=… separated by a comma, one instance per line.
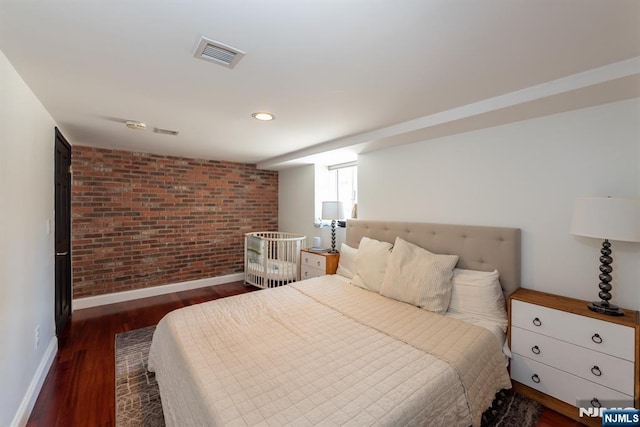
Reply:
x=564, y=353
x=314, y=264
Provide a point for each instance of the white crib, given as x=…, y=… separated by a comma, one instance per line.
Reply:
x=272, y=258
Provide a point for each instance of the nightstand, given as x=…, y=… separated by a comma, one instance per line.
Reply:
x=562, y=352
x=314, y=264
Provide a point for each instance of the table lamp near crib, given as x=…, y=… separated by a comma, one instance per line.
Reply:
x=332, y=211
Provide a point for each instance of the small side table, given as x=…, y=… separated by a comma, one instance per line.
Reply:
x=563, y=352
x=314, y=264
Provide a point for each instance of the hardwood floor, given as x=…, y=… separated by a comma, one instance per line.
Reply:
x=79, y=389
x=551, y=418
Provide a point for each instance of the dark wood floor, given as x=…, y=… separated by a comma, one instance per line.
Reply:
x=79, y=389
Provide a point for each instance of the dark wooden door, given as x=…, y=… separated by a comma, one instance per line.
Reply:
x=62, y=172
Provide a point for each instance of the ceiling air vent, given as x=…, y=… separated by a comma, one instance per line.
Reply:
x=217, y=52
x=166, y=131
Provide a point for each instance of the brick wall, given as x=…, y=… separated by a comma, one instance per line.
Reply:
x=142, y=220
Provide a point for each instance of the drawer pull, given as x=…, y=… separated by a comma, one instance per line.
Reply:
x=535, y=378
x=596, y=371
x=306, y=260
x=537, y=322
x=596, y=339
x=306, y=273
x=318, y=263
x=535, y=349
x=596, y=403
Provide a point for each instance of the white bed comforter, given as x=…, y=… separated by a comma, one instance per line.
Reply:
x=322, y=352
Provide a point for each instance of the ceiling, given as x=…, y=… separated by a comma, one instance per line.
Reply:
x=341, y=76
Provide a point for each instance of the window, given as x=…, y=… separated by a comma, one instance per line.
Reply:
x=343, y=185
x=336, y=182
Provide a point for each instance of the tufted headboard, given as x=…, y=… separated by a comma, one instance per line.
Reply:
x=479, y=248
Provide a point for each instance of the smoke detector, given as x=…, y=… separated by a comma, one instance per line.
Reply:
x=220, y=53
x=133, y=124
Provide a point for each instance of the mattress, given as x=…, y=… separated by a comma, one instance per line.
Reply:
x=495, y=327
x=322, y=352
x=275, y=269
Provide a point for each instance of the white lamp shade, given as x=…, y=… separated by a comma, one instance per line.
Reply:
x=332, y=210
x=607, y=218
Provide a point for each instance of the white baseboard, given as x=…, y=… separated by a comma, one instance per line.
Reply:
x=80, y=303
x=30, y=397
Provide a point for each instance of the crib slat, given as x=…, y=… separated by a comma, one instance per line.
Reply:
x=276, y=263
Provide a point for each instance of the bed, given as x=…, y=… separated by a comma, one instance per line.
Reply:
x=325, y=352
x=272, y=258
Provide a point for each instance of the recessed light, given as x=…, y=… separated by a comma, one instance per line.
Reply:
x=133, y=124
x=265, y=117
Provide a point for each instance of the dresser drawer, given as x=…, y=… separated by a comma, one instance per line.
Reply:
x=591, y=365
x=307, y=272
x=561, y=385
x=315, y=261
x=610, y=338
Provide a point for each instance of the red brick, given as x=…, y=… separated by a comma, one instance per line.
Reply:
x=143, y=220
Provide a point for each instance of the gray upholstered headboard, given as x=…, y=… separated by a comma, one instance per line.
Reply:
x=479, y=248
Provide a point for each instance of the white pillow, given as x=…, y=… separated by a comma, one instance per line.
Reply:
x=419, y=277
x=478, y=294
x=347, y=261
x=371, y=264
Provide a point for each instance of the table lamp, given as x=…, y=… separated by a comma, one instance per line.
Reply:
x=332, y=211
x=607, y=218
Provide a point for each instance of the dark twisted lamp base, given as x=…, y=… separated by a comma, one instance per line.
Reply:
x=603, y=306
x=333, y=237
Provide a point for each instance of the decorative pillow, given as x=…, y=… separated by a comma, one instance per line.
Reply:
x=255, y=249
x=371, y=264
x=478, y=294
x=347, y=262
x=419, y=277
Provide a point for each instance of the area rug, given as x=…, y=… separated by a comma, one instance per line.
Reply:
x=511, y=409
x=137, y=396
x=138, y=401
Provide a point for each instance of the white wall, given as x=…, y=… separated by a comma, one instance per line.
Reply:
x=299, y=201
x=527, y=175
x=26, y=247
x=296, y=200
